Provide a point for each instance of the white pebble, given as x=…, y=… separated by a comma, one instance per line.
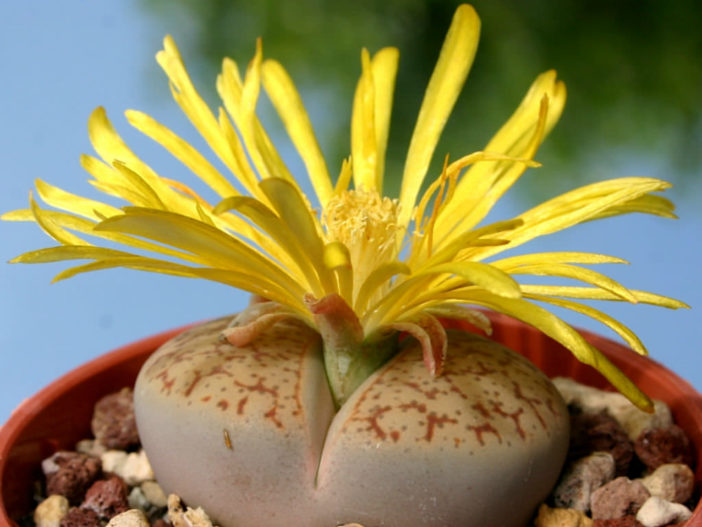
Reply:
x=130, y=518
x=154, y=493
x=90, y=447
x=672, y=482
x=137, y=499
x=112, y=460
x=631, y=419
x=133, y=468
x=50, y=511
x=557, y=517
x=656, y=512
x=178, y=517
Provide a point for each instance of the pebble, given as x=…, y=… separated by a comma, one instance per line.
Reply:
x=657, y=446
x=673, y=482
x=626, y=521
x=137, y=499
x=609, y=429
x=581, y=478
x=129, y=518
x=657, y=512
x=618, y=498
x=107, y=497
x=134, y=468
x=601, y=433
x=50, y=511
x=179, y=517
x=90, y=447
x=70, y=474
x=594, y=401
x=76, y=517
x=557, y=517
x=113, y=423
x=154, y=493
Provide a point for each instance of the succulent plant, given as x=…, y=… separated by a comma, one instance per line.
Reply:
x=387, y=418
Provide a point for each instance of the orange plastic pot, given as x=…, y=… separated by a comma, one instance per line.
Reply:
x=59, y=415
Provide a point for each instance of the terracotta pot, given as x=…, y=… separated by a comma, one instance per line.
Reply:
x=59, y=415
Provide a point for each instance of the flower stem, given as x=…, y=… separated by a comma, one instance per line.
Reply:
x=349, y=358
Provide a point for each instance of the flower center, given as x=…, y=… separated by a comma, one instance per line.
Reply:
x=366, y=223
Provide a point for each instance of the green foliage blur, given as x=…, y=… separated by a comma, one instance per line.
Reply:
x=633, y=69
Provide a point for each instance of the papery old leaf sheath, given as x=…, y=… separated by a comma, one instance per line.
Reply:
x=364, y=266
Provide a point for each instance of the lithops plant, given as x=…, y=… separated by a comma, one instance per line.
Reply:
x=264, y=445
x=338, y=395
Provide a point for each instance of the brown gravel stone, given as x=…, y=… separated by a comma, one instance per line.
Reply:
x=618, y=498
x=581, y=478
x=601, y=433
x=107, y=497
x=70, y=474
x=113, y=423
x=81, y=518
x=674, y=482
x=658, y=446
x=626, y=521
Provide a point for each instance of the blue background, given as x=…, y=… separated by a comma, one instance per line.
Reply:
x=62, y=60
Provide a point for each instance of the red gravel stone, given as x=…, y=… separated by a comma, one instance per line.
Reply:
x=107, y=497
x=70, y=474
x=626, y=521
x=113, y=423
x=80, y=518
x=657, y=446
x=601, y=433
x=618, y=498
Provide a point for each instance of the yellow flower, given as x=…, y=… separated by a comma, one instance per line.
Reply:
x=364, y=266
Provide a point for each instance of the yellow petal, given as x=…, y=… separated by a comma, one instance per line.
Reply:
x=240, y=100
x=253, y=283
x=558, y=330
x=110, y=146
x=438, y=232
x=286, y=99
x=193, y=106
x=464, y=241
x=286, y=239
x=454, y=62
x=61, y=199
x=53, y=228
x=344, y=179
x=575, y=207
x=289, y=203
x=211, y=245
x=364, y=152
x=85, y=226
x=384, y=69
x=482, y=275
x=338, y=259
x=375, y=280
x=562, y=257
x=647, y=204
x=599, y=316
x=147, y=196
x=421, y=287
x=68, y=252
x=182, y=151
x=484, y=183
x=596, y=293
x=576, y=273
